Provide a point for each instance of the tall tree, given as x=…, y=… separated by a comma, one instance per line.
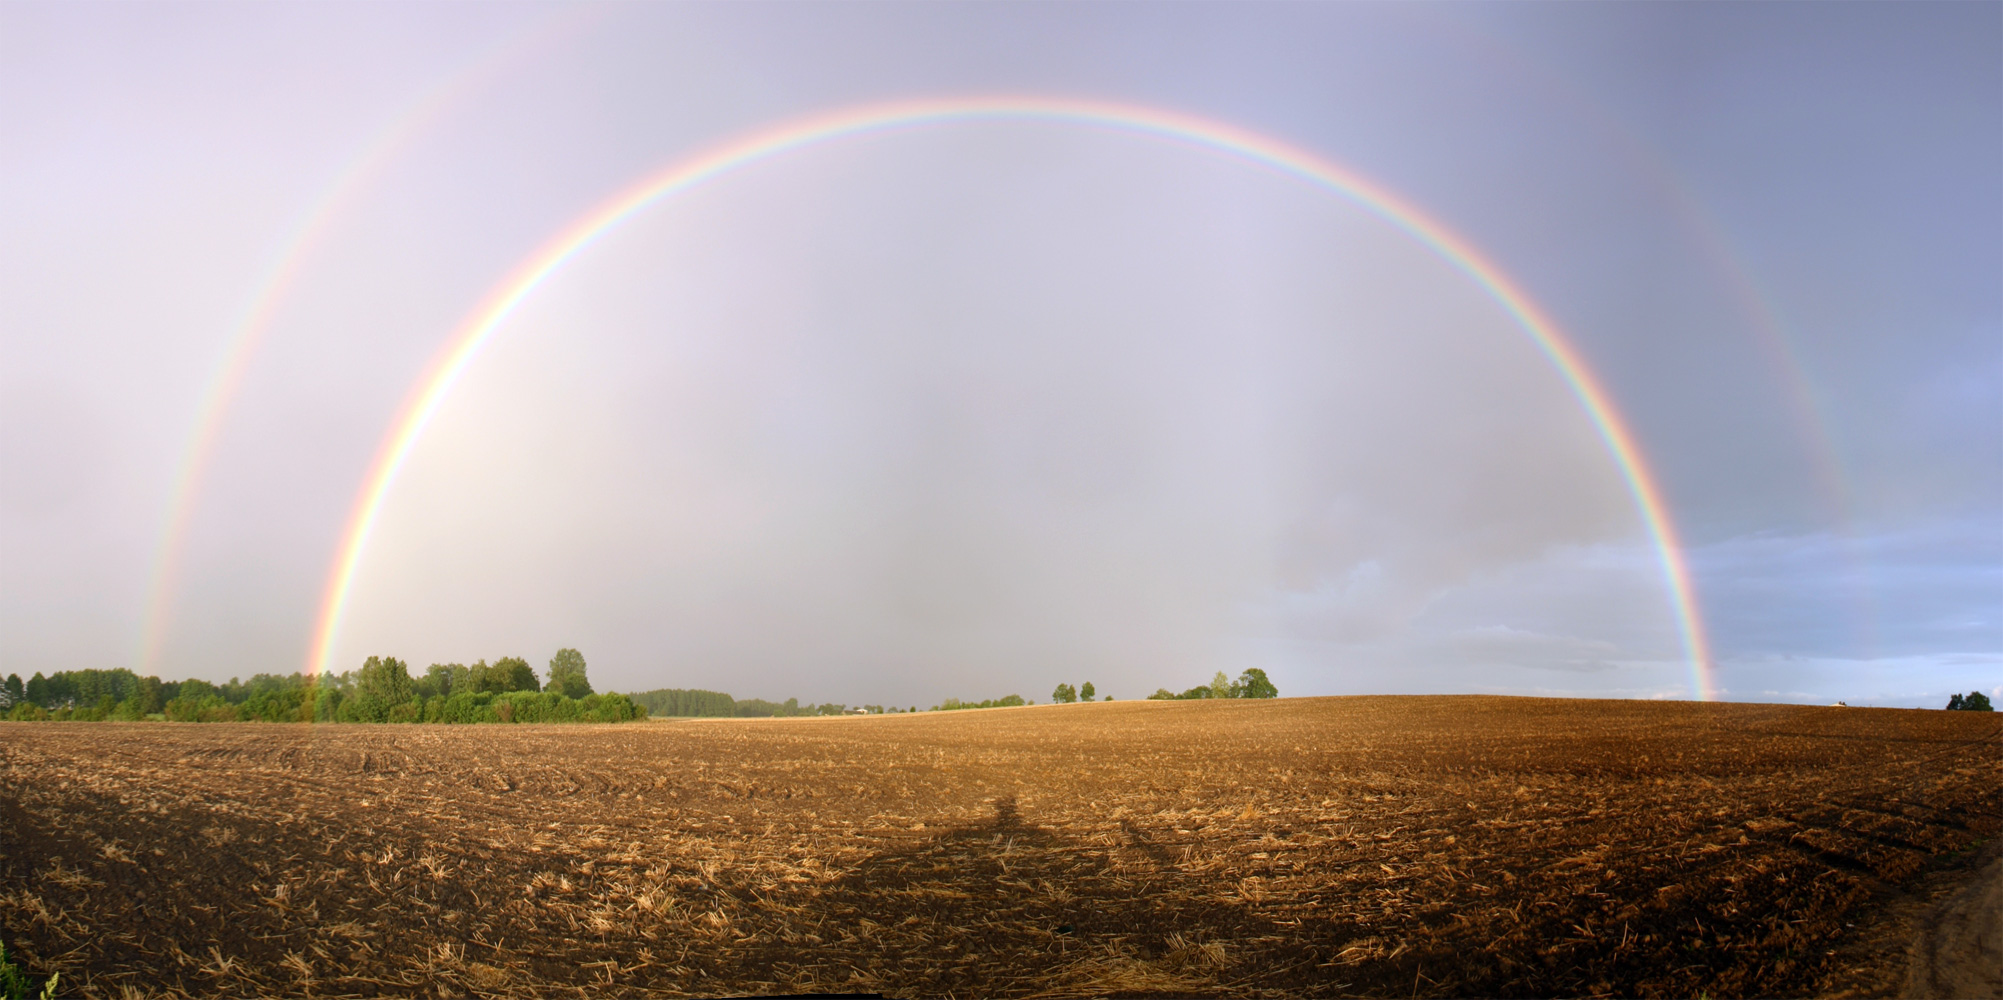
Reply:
x=1220, y=686
x=1064, y=695
x=566, y=674
x=1085, y=692
x=383, y=684
x=1253, y=683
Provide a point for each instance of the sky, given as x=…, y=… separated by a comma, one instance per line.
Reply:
x=980, y=404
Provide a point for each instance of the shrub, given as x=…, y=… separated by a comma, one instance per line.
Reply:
x=15, y=983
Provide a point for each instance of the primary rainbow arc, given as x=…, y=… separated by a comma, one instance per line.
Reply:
x=465, y=344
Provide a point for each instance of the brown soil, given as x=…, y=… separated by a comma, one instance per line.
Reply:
x=1957, y=948
x=1379, y=846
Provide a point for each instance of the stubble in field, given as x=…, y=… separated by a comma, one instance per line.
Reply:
x=1302, y=846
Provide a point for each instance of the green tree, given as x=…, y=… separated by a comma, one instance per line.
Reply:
x=13, y=691
x=566, y=674
x=1162, y=694
x=383, y=684
x=1954, y=703
x=1085, y=692
x=515, y=674
x=1064, y=695
x=1976, y=701
x=481, y=677
x=1220, y=686
x=1253, y=683
x=438, y=678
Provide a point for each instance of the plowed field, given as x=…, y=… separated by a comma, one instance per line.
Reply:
x=1437, y=846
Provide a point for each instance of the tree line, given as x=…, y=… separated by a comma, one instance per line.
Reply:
x=1252, y=683
x=383, y=689
x=698, y=703
x=695, y=703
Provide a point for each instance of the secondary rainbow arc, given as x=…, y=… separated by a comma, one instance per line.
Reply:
x=437, y=382
x=274, y=286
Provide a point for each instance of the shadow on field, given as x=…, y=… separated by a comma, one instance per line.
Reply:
x=1006, y=906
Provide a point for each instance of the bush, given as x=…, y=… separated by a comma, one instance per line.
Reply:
x=15, y=983
x=208, y=708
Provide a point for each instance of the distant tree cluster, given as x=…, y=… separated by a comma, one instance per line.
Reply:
x=694, y=703
x=688, y=703
x=382, y=690
x=1973, y=701
x=1252, y=683
x=955, y=704
x=1066, y=694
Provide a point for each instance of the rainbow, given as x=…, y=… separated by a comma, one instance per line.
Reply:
x=466, y=342
x=397, y=134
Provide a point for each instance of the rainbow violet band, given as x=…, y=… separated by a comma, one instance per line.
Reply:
x=1249, y=147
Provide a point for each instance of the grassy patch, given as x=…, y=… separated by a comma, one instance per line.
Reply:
x=16, y=984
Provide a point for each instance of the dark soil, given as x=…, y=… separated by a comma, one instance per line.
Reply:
x=1341, y=846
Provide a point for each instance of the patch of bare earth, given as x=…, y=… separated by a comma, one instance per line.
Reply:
x=1351, y=846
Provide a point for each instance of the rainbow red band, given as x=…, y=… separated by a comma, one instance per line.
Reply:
x=466, y=342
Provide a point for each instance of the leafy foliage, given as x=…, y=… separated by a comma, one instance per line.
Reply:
x=16, y=984
x=1064, y=695
x=1086, y=692
x=566, y=674
x=1973, y=701
x=955, y=704
x=1252, y=683
x=692, y=703
x=381, y=691
x=513, y=673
